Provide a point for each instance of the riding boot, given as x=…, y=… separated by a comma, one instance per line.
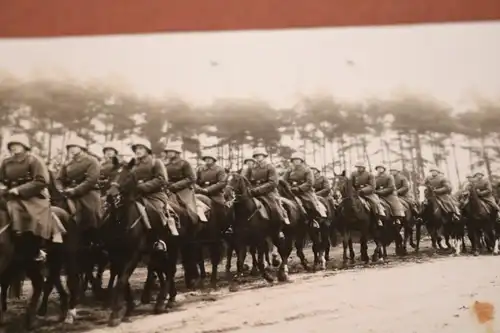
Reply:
x=229, y=230
x=42, y=254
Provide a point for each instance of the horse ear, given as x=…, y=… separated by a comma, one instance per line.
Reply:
x=343, y=173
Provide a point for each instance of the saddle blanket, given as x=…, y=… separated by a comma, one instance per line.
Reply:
x=261, y=209
x=201, y=209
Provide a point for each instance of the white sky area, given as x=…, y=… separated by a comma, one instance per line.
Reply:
x=453, y=62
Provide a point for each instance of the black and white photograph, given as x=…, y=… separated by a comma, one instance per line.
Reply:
x=302, y=180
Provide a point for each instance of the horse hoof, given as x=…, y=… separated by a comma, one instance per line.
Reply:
x=246, y=268
x=283, y=277
x=146, y=299
x=380, y=261
x=171, y=304
x=254, y=271
x=114, y=322
x=159, y=308
x=126, y=319
x=276, y=262
x=234, y=288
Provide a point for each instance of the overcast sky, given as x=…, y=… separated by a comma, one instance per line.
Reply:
x=452, y=61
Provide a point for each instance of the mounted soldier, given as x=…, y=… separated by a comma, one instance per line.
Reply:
x=24, y=178
x=301, y=179
x=181, y=181
x=110, y=165
x=403, y=190
x=442, y=189
x=485, y=192
x=364, y=182
x=211, y=181
x=385, y=188
x=152, y=177
x=78, y=179
x=264, y=180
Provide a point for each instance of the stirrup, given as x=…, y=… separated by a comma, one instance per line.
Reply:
x=160, y=246
x=315, y=224
x=42, y=256
x=281, y=235
x=380, y=223
x=229, y=230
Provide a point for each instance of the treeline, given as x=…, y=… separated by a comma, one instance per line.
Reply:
x=410, y=131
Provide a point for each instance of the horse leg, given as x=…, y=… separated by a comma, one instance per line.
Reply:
x=261, y=249
x=47, y=289
x=3, y=301
x=148, y=286
x=229, y=256
x=120, y=289
x=418, y=233
x=345, y=245
x=162, y=294
x=255, y=263
x=299, y=248
x=171, y=270
x=72, y=281
x=285, y=248
x=363, y=245
x=215, y=259
x=352, y=254
x=33, y=272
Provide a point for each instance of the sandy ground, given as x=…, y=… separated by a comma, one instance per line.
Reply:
x=418, y=294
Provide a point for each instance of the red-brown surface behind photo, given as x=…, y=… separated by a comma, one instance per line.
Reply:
x=29, y=18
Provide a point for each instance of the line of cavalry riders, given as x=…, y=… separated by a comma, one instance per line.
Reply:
x=24, y=179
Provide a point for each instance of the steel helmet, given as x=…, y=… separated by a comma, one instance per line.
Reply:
x=21, y=139
x=209, y=154
x=112, y=145
x=360, y=164
x=175, y=147
x=141, y=142
x=297, y=156
x=260, y=151
x=76, y=141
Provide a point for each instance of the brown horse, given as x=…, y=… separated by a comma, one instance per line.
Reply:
x=16, y=260
x=320, y=237
x=251, y=229
x=354, y=216
x=133, y=241
x=480, y=221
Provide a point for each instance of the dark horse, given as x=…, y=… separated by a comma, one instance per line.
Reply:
x=353, y=216
x=320, y=237
x=480, y=221
x=439, y=223
x=16, y=259
x=251, y=229
x=132, y=241
x=404, y=231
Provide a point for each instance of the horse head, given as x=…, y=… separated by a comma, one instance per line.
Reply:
x=239, y=185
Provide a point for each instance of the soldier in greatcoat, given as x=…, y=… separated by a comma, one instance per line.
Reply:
x=181, y=181
x=211, y=182
x=24, y=178
x=301, y=179
x=403, y=190
x=385, y=188
x=264, y=181
x=109, y=166
x=151, y=177
x=248, y=162
x=364, y=182
x=78, y=179
x=485, y=192
x=211, y=179
x=441, y=187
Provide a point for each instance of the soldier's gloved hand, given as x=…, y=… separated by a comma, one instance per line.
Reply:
x=295, y=189
x=69, y=192
x=203, y=191
x=14, y=191
x=252, y=192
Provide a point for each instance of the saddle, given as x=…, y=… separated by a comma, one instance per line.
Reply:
x=202, y=208
x=365, y=203
x=261, y=209
x=386, y=206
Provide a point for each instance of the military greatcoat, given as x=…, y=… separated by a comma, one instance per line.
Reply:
x=30, y=211
x=301, y=177
x=181, y=181
x=442, y=190
x=322, y=186
x=485, y=193
x=82, y=175
x=386, y=189
x=264, y=180
x=364, y=182
x=151, y=179
x=213, y=180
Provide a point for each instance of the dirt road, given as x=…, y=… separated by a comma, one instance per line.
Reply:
x=432, y=296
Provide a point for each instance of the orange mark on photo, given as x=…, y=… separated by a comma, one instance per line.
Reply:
x=485, y=314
